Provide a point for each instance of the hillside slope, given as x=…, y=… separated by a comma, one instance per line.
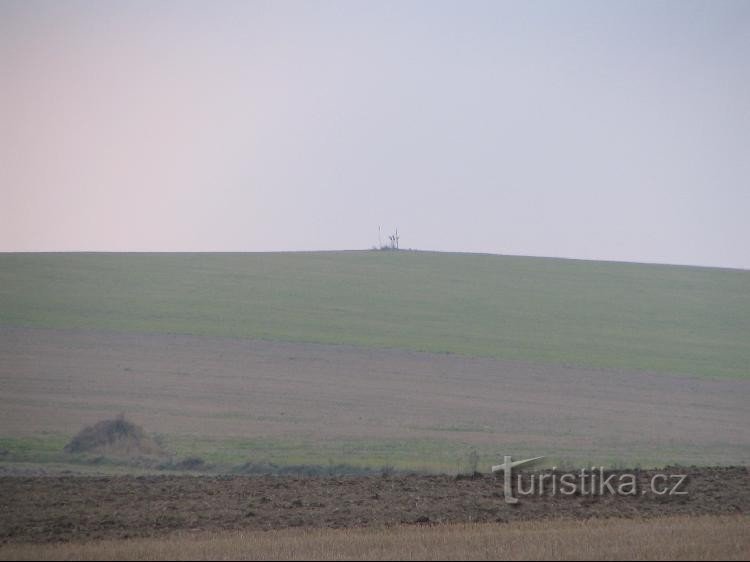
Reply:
x=602, y=314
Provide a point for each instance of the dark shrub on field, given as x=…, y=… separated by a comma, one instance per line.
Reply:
x=308, y=470
x=189, y=463
x=118, y=437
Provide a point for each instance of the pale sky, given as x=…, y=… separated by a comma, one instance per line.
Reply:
x=598, y=130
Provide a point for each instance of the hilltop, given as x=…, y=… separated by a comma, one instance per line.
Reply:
x=598, y=314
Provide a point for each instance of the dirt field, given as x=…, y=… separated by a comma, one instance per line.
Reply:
x=664, y=538
x=314, y=395
x=51, y=509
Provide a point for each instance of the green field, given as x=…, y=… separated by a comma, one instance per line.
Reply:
x=601, y=314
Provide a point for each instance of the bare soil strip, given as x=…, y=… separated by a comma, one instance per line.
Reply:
x=53, y=509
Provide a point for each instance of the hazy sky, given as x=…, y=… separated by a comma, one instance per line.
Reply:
x=605, y=130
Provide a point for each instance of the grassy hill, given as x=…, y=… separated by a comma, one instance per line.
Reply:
x=602, y=314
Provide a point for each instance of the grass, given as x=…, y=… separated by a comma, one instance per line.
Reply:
x=668, y=538
x=321, y=456
x=228, y=455
x=426, y=455
x=631, y=316
x=420, y=455
x=42, y=448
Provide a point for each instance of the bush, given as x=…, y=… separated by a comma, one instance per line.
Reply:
x=115, y=437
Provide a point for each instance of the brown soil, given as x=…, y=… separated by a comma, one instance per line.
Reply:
x=48, y=509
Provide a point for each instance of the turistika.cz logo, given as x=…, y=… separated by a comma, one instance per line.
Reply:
x=586, y=482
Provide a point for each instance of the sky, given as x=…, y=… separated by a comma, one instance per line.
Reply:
x=615, y=130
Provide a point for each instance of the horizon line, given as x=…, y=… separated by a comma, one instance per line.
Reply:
x=378, y=250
